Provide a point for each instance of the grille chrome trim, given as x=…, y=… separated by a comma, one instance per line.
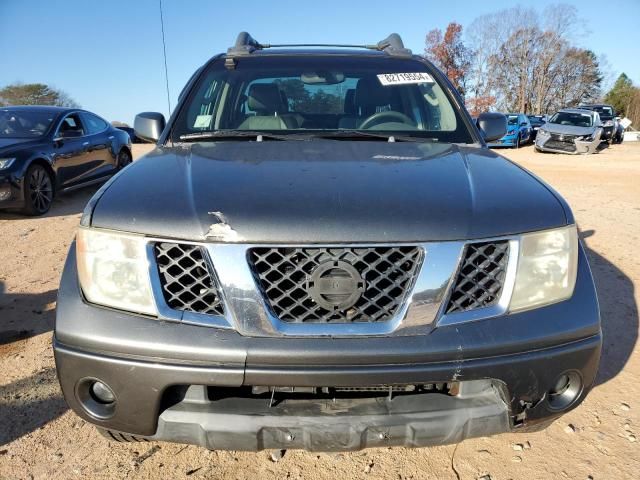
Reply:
x=251, y=315
x=247, y=313
x=187, y=278
x=167, y=313
x=480, y=278
x=500, y=307
x=387, y=276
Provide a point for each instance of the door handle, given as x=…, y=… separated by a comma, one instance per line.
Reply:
x=110, y=137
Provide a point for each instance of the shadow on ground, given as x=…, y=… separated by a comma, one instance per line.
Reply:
x=28, y=404
x=618, y=312
x=64, y=204
x=24, y=315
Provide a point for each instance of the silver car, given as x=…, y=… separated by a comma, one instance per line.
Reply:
x=570, y=130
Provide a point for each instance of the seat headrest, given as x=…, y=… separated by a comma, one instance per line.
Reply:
x=371, y=93
x=265, y=98
x=349, y=102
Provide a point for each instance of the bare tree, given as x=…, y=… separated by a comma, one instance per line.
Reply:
x=527, y=63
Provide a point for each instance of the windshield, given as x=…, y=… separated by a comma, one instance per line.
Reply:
x=16, y=123
x=570, y=118
x=319, y=94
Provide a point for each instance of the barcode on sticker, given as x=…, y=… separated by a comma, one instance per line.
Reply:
x=404, y=78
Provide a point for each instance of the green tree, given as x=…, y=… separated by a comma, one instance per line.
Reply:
x=34, y=94
x=621, y=94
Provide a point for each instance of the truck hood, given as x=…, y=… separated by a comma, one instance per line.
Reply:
x=325, y=191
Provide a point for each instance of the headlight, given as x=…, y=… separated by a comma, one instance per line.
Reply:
x=6, y=162
x=608, y=123
x=547, y=268
x=114, y=271
x=542, y=132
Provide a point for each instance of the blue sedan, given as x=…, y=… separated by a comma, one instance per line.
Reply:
x=518, y=131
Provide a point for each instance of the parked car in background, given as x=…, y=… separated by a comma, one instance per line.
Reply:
x=284, y=273
x=571, y=130
x=518, y=131
x=132, y=134
x=536, y=122
x=618, y=134
x=47, y=150
x=607, y=117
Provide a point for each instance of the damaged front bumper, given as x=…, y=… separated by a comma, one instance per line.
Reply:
x=570, y=144
x=193, y=384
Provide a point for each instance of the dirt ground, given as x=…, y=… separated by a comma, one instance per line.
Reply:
x=41, y=438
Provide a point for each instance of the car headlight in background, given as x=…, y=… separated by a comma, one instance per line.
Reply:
x=113, y=270
x=585, y=138
x=6, y=163
x=608, y=123
x=547, y=268
x=542, y=132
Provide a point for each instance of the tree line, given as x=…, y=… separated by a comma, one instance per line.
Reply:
x=517, y=60
x=34, y=94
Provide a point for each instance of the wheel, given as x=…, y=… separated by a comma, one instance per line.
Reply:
x=517, y=145
x=124, y=158
x=38, y=190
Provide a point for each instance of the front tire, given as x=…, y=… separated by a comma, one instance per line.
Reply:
x=38, y=191
x=124, y=158
x=517, y=144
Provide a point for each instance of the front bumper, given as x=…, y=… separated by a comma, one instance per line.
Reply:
x=506, y=141
x=574, y=147
x=505, y=367
x=11, y=193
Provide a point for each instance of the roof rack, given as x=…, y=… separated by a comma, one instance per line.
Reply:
x=246, y=45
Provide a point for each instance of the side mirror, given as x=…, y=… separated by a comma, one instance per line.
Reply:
x=492, y=125
x=523, y=124
x=148, y=126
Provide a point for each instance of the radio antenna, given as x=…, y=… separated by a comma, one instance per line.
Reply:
x=164, y=50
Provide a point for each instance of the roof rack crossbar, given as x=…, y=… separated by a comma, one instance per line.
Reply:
x=246, y=44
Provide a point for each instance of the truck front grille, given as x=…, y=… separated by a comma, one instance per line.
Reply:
x=371, y=283
x=187, y=282
x=480, y=278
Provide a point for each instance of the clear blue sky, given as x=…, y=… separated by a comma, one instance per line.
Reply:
x=108, y=54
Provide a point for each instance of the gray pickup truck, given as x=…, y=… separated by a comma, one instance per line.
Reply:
x=322, y=253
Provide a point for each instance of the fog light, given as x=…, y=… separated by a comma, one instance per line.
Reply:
x=566, y=391
x=96, y=397
x=5, y=194
x=101, y=393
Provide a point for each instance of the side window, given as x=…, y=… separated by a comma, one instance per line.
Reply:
x=94, y=123
x=71, y=126
x=204, y=105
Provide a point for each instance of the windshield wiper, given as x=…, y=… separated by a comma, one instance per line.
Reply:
x=234, y=135
x=361, y=134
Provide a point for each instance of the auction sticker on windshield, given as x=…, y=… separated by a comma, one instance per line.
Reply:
x=404, y=78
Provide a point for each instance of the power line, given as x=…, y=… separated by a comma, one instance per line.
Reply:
x=164, y=49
